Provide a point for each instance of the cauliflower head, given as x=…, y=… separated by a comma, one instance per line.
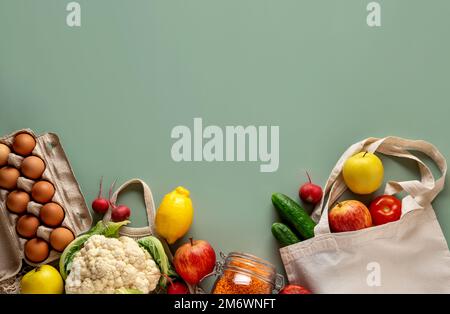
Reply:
x=105, y=265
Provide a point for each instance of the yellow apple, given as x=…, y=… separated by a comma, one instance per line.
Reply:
x=363, y=173
x=44, y=279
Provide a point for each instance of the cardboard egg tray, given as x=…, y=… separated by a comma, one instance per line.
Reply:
x=68, y=195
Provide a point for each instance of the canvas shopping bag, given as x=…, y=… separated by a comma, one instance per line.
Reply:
x=133, y=232
x=407, y=256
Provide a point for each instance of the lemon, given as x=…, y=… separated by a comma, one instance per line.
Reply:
x=42, y=280
x=174, y=215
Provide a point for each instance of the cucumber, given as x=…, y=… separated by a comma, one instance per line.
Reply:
x=284, y=234
x=294, y=215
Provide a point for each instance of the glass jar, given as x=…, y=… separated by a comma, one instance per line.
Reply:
x=241, y=273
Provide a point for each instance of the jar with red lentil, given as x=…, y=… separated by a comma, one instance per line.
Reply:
x=241, y=273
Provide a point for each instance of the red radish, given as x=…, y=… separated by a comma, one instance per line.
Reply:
x=310, y=192
x=118, y=213
x=177, y=288
x=100, y=204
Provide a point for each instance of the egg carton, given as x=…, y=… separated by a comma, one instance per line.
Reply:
x=67, y=194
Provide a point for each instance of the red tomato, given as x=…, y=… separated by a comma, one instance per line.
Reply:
x=384, y=209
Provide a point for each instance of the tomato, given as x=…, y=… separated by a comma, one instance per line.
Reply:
x=384, y=209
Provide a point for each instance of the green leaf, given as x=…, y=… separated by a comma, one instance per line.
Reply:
x=156, y=249
x=108, y=229
x=65, y=261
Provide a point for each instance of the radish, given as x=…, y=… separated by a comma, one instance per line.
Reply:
x=310, y=192
x=100, y=204
x=118, y=213
x=177, y=288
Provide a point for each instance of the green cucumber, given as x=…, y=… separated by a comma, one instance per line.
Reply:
x=284, y=234
x=294, y=215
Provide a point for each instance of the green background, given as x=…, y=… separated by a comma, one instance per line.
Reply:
x=114, y=89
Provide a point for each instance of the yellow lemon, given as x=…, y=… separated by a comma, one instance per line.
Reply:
x=174, y=215
x=44, y=279
x=363, y=173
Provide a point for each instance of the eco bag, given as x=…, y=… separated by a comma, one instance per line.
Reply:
x=410, y=255
x=140, y=232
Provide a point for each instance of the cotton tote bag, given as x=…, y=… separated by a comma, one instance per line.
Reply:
x=410, y=255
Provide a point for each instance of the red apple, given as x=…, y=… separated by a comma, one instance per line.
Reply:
x=294, y=289
x=194, y=260
x=349, y=216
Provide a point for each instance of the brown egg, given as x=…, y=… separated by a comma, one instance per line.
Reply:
x=4, y=153
x=32, y=167
x=51, y=214
x=8, y=178
x=36, y=250
x=42, y=191
x=27, y=226
x=24, y=144
x=17, y=201
x=60, y=238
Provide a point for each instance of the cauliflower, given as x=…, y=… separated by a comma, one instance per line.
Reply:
x=106, y=265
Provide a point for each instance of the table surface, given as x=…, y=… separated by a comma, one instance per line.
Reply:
x=114, y=88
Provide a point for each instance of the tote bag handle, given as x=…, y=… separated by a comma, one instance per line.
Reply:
x=423, y=191
x=149, y=207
